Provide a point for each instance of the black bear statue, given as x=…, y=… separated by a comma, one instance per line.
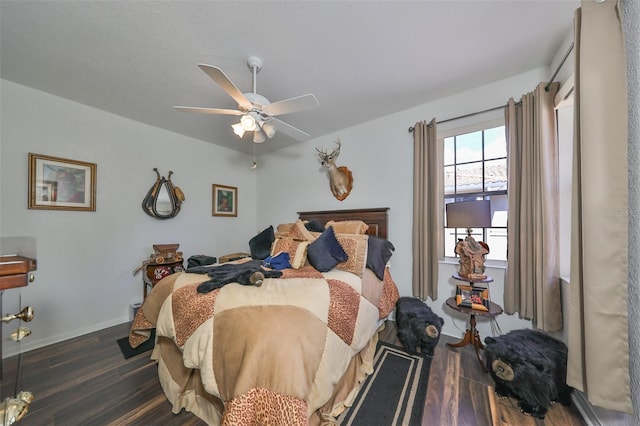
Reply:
x=530, y=366
x=418, y=326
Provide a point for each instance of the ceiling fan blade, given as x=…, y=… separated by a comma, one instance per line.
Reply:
x=299, y=103
x=219, y=111
x=288, y=129
x=227, y=85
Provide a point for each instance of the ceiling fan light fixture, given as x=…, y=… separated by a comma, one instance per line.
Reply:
x=248, y=122
x=269, y=129
x=258, y=136
x=238, y=129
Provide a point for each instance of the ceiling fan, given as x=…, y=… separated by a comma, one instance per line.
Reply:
x=258, y=115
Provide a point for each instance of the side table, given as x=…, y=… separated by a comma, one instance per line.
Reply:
x=154, y=272
x=472, y=336
x=471, y=281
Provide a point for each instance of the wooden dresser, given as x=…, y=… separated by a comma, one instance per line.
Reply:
x=15, y=271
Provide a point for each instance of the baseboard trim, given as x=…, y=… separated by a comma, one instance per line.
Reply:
x=32, y=343
x=598, y=416
x=585, y=408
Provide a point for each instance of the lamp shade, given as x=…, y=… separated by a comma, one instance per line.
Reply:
x=258, y=136
x=469, y=214
x=269, y=129
x=237, y=129
x=248, y=122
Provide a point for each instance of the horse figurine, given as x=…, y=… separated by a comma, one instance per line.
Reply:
x=340, y=178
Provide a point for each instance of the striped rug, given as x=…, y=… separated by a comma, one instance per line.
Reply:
x=394, y=394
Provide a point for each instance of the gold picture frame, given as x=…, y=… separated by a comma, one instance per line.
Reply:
x=225, y=200
x=61, y=184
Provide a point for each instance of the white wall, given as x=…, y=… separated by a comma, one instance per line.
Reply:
x=380, y=155
x=84, y=280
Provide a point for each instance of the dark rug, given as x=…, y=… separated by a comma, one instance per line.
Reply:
x=128, y=351
x=394, y=394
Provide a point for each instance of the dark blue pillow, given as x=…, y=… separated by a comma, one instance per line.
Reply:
x=314, y=226
x=326, y=252
x=260, y=245
x=379, y=252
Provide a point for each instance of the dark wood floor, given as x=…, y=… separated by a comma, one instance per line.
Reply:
x=86, y=381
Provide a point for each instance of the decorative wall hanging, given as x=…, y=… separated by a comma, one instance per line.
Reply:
x=225, y=200
x=163, y=200
x=340, y=178
x=61, y=184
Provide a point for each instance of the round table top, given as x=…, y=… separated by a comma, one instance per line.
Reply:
x=471, y=280
x=494, y=309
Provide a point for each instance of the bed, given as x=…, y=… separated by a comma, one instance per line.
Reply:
x=292, y=351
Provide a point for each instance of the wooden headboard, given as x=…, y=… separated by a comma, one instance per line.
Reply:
x=376, y=218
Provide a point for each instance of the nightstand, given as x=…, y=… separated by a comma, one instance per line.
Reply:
x=154, y=272
x=472, y=336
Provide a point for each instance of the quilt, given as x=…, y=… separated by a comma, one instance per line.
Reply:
x=292, y=351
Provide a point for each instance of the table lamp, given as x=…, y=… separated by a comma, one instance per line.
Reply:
x=470, y=214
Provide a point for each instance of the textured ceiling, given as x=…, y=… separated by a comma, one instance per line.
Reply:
x=361, y=59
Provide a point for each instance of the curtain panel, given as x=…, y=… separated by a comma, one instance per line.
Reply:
x=428, y=207
x=598, y=336
x=532, y=284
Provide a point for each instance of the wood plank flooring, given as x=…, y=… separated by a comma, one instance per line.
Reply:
x=86, y=381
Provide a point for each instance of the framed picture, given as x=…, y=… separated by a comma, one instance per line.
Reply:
x=225, y=200
x=61, y=184
x=473, y=297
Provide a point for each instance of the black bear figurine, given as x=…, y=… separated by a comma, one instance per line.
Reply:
x=418, y=326
x=530, y=366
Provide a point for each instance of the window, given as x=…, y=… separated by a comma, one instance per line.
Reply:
x=475, y=168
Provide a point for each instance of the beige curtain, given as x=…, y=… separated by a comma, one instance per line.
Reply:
x=598, y=324
x=532, y=285
x=428, y=200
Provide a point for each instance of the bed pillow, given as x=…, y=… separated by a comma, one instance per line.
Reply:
x=326, y=252
x=348, y=226
x=299, y=232
x=297, y=250
x=314, y=226
x=284, y=227
x=260, y=245
x=378, y=254
x=356, y=247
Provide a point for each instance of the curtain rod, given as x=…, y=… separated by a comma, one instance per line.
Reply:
x=566, y=55
x=465, y=116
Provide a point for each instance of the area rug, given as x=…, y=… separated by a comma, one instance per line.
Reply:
x=394, y=394
x=128, y=351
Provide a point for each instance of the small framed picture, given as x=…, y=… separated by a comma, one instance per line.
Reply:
x=61, y=184
x=225, y=200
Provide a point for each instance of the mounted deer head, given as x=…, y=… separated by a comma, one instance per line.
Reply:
x=340, y=178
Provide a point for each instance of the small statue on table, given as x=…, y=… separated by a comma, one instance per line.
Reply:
x=472, y=255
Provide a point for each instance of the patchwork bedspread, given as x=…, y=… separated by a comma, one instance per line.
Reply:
x=290, y=352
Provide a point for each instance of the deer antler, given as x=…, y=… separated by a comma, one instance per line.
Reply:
x=336, y=151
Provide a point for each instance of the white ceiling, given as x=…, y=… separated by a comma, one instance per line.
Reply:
x=361, y=59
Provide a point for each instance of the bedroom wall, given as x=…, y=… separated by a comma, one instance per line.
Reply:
x=379, y=153
x=84, y=280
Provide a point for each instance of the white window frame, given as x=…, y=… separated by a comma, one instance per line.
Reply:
x=482, y=122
